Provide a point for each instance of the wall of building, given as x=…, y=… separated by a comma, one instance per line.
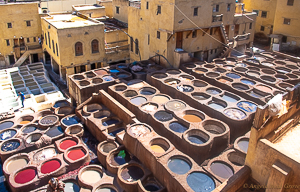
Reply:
x=123, y=13
x=93, y=12
x=108, y=7
x=60, y=6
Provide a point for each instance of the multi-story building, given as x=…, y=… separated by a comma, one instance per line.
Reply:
x=20, y=34
x=278, y=20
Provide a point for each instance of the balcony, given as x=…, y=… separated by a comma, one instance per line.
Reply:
x=216, y=18
x=242, y=39
x=136, y=4
x=117, y=49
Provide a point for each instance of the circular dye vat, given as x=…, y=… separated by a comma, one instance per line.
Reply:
x=55, y=131
x=25, y=176
x=255, y=94
x=235, y=114
x=151, y=187
x=200, y=70
x=247, y=82
x=283, y=69
x=71, y=187
x=214, y=127
x=200, y=96
x=196, y=139
x=31, y=139
x=212, y=74
x=130, y=93
x=29, y=129
x=221, y=170
x=91, y=176
x=24, y=122
x=247, y=106
x=268, y=78
x=175, y=105
x=233, y=75
x=16, y=164
x=267, y=64
x=243, y=144
x=70, y=120
x=172, y=81
x=216, y=105
x=163, y=116
x=192, y=118
x=132, y=173
x=159, y=75
x=6, y=125
x=160, y=99
x=147, y=91
x=179, y=165
x=106, y=189
x=240, y=86
x=10, y=145
x=44, y=154
x=264, y=88
x=198, y=83
x=213, y=91
x=108, y=78
x=253, y=74
x=200, y=182
x=177, y=127
x=8, y=134
x=149, y=107
x=138, y=130
x=138, y=100
x=158, y=148
x=185, y=88
x=50, y=166
x=49, y=119
x=229, y=98
x=107, y=147
x=66, y=144
x=119, y=160
x=110, y=122
x=120, y=88
x=114, y=71
x=173, y=71
x=62, y=103
x=236, y=158
x=76, y=154
x=123, y=75
x=101, y=72
x=222, y=80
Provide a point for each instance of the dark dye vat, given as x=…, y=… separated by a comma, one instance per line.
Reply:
x=71, y=120
x=179, y=166
x=114, y=133
x=163, y=116
x=175, y=105
x=177, y=127
x=256, y=95
x=196, y=139
x=110, y=122
x=151, y=187
x=216, y=106
x=147, y=92
x=213, y=91
x=71, y=187
x=10, y=145
x=200, y=182
x=7, y=134
x=123, y=75
x=235, y=114
x=132, y=173
x=29, y=129
x=108, y=78
x=228, y=98
x=243, y=145
x=247, y=106
x=55, y=131
x=221, y=170
x=241, y=65
x=60, y=104
x=247, y=82
x=6, y=124
x=114, y=71
x=25, y=176
x=119, y=160
x=138, y=100
x=232, y=75
x=50, y=166
x=122, y=66
x=185, y=88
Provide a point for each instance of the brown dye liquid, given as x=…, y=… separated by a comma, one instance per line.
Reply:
x=16, y=164
x=160, y=99
x=24, y=122
x=157, y=149
x=224, y=81
x=192, y=118
x=264, y=88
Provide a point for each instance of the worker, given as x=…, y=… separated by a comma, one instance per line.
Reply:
x=22, y=97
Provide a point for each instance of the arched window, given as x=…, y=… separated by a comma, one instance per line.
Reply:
x=95, y=46
x=78, y=49
x=136, y=46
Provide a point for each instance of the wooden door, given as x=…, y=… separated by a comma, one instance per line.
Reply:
x=22, y=43
x=179, y=39
x=16, y=42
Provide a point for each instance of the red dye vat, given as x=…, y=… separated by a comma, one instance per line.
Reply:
x=25, y=176
x=67, y=144
x=50, y=166
x=76, y=154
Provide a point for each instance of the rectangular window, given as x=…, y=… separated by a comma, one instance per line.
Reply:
x=262, y=28
x=216, y=8
x=49, y=40
x=158, y=35
x=9, y=25
x=196, y=11
x=290, y=2
x=28, y=23
x=34, y=39
x=131, y=44
x=147, y=5
x=211, y=31
x=216, y=50
x=256, y=11
x=211, y=51
x=284, y=39
x=228, y=7
x=194, y=34
x=264, y=14
x=28, y=40
x=158, y=10
x=117, y=10
x=148, y=39
x=56, y=50
x=53, y=46
x=7, y=42
x=286, y=21
x=250, y=25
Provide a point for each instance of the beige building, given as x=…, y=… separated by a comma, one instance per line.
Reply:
x=93, y=11
x=20, y=33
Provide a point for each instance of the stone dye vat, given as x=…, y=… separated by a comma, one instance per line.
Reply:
x=226, y=106
x=174, y=120
x=82, y=85
x=103, y=150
